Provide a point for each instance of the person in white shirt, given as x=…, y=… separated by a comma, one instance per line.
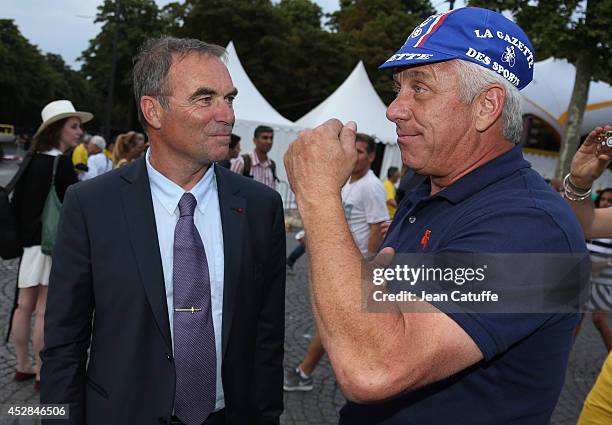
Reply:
x=364, y=198
x=97, y=163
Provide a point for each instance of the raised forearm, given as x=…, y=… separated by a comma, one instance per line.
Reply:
x=348, y=333
x=332, y=252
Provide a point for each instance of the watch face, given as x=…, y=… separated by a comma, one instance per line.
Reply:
x=604, y=143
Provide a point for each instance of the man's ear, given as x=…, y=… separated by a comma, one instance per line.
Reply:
x=488, y=107
x=152, y=111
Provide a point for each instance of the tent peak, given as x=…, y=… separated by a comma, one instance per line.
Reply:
x=250, y=105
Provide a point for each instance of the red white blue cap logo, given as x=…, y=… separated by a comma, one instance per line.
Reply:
x=482, y=36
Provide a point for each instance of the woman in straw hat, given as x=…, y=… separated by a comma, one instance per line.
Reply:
x=59, y=131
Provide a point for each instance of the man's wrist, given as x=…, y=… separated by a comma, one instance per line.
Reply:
x=308, y=203
x=580, y=183
x=320, y=210
x=573, y=192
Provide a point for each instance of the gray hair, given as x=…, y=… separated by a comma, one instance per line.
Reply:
x=474, y=79
x=153, y=62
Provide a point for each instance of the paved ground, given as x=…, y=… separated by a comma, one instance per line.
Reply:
x=320, y=406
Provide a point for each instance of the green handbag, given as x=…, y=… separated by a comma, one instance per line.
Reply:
x=50, y=215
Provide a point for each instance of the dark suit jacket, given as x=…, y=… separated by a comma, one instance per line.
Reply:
x=107, y=267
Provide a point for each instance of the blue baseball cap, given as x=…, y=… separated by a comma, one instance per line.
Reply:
x=482, y=36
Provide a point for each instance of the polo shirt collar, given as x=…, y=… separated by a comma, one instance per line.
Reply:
x=169, y=193
x=488, y=173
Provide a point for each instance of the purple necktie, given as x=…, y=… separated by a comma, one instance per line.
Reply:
x=194, y=334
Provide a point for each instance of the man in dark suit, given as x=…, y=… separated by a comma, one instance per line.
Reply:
x=180, y=264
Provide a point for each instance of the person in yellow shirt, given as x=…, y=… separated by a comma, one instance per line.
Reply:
x=393, y=176
x=597, y=409
x=80, y=154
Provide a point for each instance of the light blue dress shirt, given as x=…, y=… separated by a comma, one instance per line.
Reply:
x=207, y=217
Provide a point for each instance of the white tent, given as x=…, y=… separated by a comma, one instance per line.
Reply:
x=548, y=96
x=252, y=109
x=357, y=100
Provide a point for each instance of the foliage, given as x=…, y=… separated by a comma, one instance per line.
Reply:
x=295, y=55
x=134, y=21
x=29, y=80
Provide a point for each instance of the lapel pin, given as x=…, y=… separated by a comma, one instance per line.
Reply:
x=239, y=210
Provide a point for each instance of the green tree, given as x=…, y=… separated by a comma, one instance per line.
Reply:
x=29, y=80
x=292, y=61
x=69, y=84
x=22, y=81
x=576, y=30
x=373, y=30
x=315, y=62
x=128, y=23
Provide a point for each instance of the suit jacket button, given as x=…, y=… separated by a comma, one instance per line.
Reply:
x=169, y=357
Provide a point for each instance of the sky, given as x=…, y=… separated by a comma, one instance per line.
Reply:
x=65, y=27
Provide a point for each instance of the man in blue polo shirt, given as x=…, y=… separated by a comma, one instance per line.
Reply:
x=458, y=120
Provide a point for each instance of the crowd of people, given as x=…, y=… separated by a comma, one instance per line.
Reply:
x=177, y=315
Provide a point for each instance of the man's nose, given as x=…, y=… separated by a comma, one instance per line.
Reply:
x=224, y=112
x=399, y=109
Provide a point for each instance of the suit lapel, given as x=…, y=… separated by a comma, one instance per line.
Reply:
x=138, y=207
x=233, y=215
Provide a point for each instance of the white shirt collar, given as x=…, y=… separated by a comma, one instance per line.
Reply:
x=52, y=152
x=169, y=193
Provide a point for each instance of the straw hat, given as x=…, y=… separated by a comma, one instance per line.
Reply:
x=58, y=110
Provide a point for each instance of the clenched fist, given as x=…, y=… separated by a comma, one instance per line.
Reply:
x=320, y=161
